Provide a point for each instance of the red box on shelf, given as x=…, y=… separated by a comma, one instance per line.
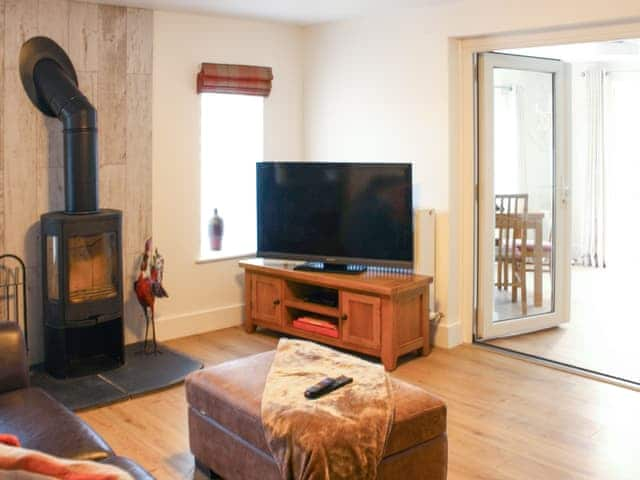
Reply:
x=316, y=325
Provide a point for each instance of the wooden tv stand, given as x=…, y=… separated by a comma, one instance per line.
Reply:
x=384, y=315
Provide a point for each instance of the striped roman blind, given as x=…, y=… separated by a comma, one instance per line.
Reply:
x=239, y=79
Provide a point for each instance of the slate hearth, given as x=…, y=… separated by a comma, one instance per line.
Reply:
x=141, y=374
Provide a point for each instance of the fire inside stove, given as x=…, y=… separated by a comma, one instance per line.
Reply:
x=92, y=267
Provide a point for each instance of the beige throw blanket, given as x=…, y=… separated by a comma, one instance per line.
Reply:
x=341, y=435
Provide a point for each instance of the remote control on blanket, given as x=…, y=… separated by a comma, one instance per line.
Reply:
x=326, y=385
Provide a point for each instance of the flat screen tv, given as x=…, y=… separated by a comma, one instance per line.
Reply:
x=335, y=215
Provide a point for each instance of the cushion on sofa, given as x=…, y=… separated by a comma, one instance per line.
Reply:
x=24, y=463
x=41, y=423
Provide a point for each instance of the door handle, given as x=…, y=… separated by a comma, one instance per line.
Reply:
x=343, y=316
x=276, y=302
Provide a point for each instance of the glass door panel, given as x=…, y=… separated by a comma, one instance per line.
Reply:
x=523, y=165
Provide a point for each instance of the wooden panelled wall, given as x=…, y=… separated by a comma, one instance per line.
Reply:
x=112, y=51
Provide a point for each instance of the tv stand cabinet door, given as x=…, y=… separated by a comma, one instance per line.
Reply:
x=360, y=321
x=266, y=299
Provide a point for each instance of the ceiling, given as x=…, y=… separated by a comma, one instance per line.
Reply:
x=301, y=12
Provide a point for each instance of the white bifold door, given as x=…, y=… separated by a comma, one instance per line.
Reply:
x=523, y=281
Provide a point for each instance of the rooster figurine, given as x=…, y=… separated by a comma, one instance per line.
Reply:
x=148, y=287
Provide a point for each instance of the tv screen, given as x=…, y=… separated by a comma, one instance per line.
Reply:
x=335, y=212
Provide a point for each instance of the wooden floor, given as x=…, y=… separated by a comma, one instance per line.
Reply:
x=507, y=419
x=603, y=331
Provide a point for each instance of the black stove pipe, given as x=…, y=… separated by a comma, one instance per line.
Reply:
x=52, y=86
x=79, y=120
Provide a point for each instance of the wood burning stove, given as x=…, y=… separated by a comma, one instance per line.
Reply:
x=82, y=246
x=82, y=292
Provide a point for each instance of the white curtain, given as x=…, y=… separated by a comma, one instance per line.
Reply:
x=589, y=246
x=622, y=157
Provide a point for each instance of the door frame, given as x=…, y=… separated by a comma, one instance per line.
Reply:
x=463, y=173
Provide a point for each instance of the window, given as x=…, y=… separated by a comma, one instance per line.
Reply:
x=232, y=130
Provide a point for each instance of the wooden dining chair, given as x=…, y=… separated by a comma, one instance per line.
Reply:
x=546, y=252
x=511, y=231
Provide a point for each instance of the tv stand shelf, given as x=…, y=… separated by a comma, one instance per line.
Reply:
x=384, y=315
x=313, y=308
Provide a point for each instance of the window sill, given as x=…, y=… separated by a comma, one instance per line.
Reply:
x=212, y=257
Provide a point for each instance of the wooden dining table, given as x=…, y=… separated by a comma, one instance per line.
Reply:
x=533, y=222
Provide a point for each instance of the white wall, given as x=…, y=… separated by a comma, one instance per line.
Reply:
x=380, y=88
x=209, y=296
x=383, y=88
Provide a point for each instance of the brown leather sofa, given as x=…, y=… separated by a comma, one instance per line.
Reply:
x=40, y=422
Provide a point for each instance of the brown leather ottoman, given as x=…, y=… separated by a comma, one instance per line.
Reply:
x=227, y=439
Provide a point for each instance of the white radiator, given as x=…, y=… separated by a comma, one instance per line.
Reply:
x=424, y=247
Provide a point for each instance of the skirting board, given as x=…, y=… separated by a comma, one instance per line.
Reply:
x=446, y=335
x=195, y=323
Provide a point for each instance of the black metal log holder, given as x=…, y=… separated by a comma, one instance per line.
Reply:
x=13, y=293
